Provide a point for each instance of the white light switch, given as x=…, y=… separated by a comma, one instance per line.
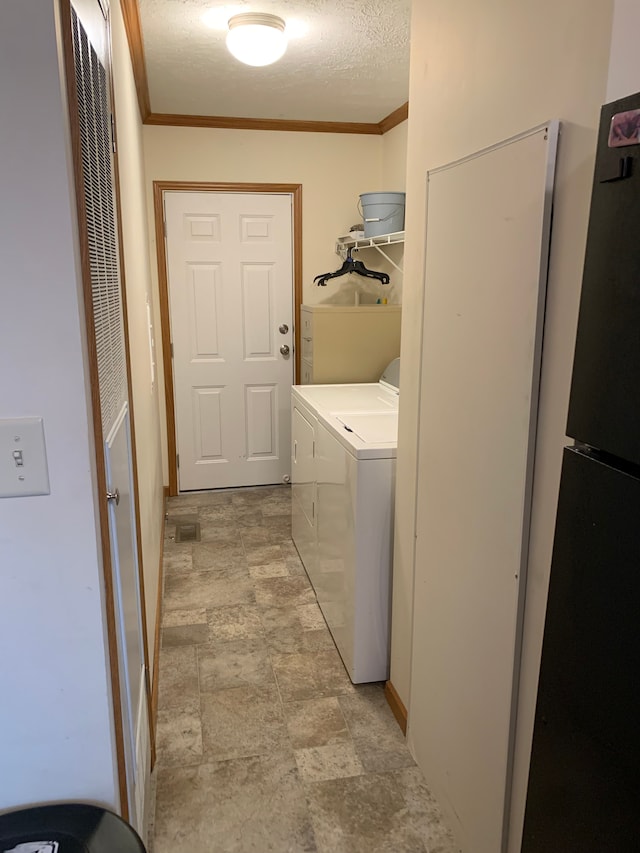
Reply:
x=23, y=458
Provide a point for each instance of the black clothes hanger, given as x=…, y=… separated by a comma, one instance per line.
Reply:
x=349, y=266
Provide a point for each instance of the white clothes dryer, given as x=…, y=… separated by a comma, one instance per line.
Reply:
x=344, y=441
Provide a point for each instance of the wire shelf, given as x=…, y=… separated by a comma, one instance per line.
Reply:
x=377, y=242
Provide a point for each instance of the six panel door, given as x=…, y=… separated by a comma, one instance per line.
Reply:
x=229, y=262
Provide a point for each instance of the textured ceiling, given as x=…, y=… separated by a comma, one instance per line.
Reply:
x=348, y=60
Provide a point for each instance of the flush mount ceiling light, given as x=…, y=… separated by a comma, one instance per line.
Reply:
x=256, y=39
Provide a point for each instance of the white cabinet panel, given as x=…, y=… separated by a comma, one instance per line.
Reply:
x=483, y=319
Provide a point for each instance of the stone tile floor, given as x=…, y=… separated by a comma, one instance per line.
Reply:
x=263, y=742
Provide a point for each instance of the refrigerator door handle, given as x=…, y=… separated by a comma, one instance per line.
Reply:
x=619, y=171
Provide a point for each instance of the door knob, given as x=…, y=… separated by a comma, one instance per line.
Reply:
x=283, y=329
x=284, y=349
x=114, y=496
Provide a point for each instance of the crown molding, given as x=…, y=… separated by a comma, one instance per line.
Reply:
x=131, y=15
x=296, y=125
x=239, y=123
x=394, y=119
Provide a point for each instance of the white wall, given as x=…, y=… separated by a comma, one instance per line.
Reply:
x=55, y=725
x=332, y=168
x=137, y=276
x=394, y=158
x=393, y=179
x=624, y=59
x=481, y=73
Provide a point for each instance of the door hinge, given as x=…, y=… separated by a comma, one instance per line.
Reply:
x=164, y=228
x=177, y=460
x=313, y=510
x=313, y=450
x=113, y=134
x=171, y=345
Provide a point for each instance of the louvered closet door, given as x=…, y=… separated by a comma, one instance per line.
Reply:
x=98, y=232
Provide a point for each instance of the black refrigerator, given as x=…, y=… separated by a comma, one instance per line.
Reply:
x=584, y=788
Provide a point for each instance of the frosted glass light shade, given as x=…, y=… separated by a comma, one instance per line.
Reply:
x=256, y=39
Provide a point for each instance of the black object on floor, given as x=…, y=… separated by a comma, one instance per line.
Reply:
x=67, y=828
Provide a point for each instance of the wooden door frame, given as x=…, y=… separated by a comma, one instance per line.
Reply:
x=159, y=188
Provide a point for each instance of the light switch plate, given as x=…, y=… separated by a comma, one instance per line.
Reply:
x=23, y=458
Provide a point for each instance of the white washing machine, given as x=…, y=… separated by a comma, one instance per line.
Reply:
x=344, y=440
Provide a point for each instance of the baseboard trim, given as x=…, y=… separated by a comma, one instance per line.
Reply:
x=156, y=641
x=396, y=705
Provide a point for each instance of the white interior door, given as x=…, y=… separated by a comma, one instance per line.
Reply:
x=128, y=607
x=98, y=232
x=230, y=271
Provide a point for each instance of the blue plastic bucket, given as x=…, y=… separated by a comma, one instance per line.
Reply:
x=383, y=213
